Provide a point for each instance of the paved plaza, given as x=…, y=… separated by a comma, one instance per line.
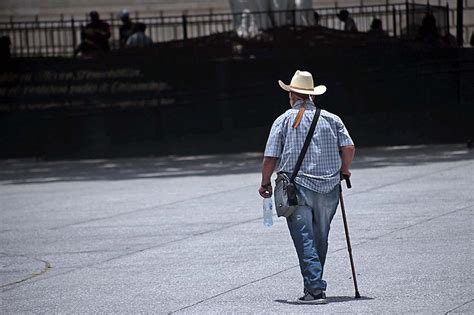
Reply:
x=185, y=235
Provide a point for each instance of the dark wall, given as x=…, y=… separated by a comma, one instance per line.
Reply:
x=149, y=102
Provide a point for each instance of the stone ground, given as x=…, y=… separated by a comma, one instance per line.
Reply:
x=185, y=235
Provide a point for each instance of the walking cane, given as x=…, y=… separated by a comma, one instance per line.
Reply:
x=346, y=229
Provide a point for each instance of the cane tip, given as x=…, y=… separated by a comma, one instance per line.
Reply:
x=357, y=295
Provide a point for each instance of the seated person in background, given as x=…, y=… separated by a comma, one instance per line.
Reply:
x=5, y=44
x=126, y=29
x=317, y=18
x=448, y=39
x=95, y=36
x=376, y=29
x=248, y=26
x=139, y=39
x=349, y=24
x=429, y=32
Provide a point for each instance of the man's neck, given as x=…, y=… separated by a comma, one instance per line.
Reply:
x=299, y=102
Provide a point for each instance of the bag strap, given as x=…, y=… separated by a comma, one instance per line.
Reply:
x=299, y=116
x=305, y=145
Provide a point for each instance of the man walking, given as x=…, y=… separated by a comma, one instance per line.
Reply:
x=329, y=154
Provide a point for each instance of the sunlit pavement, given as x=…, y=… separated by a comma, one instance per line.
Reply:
x=185, y=235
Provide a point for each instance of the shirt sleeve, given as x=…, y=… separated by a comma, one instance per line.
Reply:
x=274, y=147
x=131, y=41
x=343, y=137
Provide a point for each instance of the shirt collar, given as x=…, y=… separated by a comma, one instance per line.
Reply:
x=308, y=105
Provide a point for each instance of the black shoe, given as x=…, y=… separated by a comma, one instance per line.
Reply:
x=310, y=298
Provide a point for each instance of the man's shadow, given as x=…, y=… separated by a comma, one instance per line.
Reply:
x=330, y=299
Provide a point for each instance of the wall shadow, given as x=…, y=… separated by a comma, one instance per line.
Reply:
x=29, y=171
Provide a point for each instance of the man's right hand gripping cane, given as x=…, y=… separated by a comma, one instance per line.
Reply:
x=347, y=155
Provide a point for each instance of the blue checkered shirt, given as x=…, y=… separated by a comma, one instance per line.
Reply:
x=321, y=165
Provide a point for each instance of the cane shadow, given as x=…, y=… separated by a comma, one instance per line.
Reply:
x=330, y=299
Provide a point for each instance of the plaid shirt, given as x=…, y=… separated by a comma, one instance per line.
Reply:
x=321, y=165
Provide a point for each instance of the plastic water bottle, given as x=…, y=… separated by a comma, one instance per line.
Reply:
x=267, y=212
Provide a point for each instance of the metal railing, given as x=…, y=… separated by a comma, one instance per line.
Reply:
x=61, y=37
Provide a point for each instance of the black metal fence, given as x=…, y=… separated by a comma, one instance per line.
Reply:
x=61, y=37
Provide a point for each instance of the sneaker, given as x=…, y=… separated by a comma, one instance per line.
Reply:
x=309, y=298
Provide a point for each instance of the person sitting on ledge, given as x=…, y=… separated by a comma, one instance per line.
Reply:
x=95, y=37
x=126, y=29
x=349, y=23
x=139, y=38
x=376, y=29
x=5, y=44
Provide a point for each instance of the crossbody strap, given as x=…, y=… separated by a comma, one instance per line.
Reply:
x=305, y=145
x=299, y=116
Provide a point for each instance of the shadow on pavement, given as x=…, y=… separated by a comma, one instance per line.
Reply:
x=24, y=171
x=331, y=299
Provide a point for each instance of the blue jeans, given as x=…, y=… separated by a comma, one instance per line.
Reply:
x=309, y=228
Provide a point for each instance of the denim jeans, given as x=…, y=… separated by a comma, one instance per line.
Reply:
x=309, y=228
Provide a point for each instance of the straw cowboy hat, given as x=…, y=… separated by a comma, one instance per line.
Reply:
x=302, y=82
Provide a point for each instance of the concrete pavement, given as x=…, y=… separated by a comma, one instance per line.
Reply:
x=185, y=235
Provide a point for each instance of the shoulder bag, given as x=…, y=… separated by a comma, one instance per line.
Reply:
x=285, y=191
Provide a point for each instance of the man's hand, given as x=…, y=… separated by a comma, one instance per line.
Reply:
x=265, y=191
x=268, y=166
x=346, y=173
x=347, y=155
